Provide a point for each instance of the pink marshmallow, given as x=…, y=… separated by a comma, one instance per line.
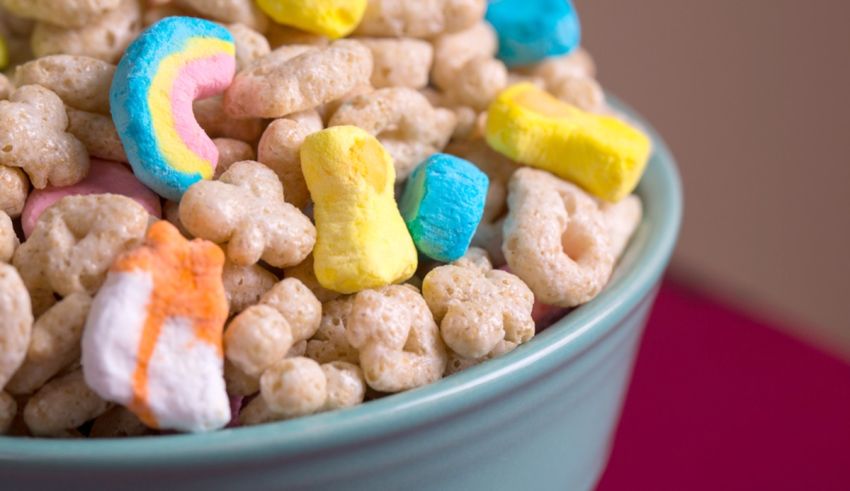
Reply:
x=104, y=177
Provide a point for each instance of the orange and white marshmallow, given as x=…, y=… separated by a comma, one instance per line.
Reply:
x=153, y=338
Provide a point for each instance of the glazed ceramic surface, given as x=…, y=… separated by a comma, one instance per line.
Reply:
x=538, y=418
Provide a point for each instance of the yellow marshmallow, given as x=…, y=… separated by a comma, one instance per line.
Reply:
x=4, y=53
x=331, y=18
x=362, y=241
x=602, y=154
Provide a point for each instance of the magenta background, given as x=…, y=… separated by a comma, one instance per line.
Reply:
x=721, y=401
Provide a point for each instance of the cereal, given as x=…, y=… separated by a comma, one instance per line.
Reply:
x=297, y=78
x=15, y=322
x=621, y=219
x=246, y=211
x=238, y=382
x=210, y=115
x=33, y=137
x=602, y=154
x=152, y=341
x=244, y=285
x=442, y=205
x=8, y=238
x=403, y=121
x=294, y=387
x=8, y=411
x=346, y=386
x=80, y=81
x=305, y=272
x=6, y=87
x=280, y=147
x=14, y=188
x=398, y=341
x=362, y=240
x=256, y=339
x=478, y=82
x=419, y=18
x=104, y=37
x=400, y=62
x=331, y=18
x=97, y=133
x=478, y=307
x=578, y=64
x=458, y=363
x=117, y=422
x=231, y=151
x=279, y=35
x=258, y=412
x=531, y=30
x=229, y=11
x=74, y=243
x=329, y=343
x=184, y=59
x=297, y=304
x=63, y=404
x=584, y=93
x=66, y=13
x=54, y=344
x=454, y=50
x=250, y=45
x=556, y=239
x=104, y=177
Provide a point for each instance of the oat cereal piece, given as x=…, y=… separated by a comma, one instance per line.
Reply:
x=8, y=411
x=297, y=349
x=54, y=344
x=304, y=271
x=6, y=87
x=297, y=78
x=280, y=147
x=238, y=382
x=329, y=343
x=168, y=295
x=403, y=121
x=346, y=386
x=419, y=18
x=74, y=243
x=478, y=82
x=298, y=306
x=398, y=341
x=244, y=285
x=583, y=92
x=65, y=13
x=33, y=137
x=454, y=50
x=210, y=115
x=171, y=214
x=400, y=62
x=116, y=423
x=155, y=11
x=231, y=151
x=556, y=239
x=246, y=211
x=80, y=81
x=362, y=239
x=14, y=189
x=294, y=387
x=105, y=37
x=258, y=412
x=256, y=339
x=15, y=322
x=97, y=133
x=8, y=238
x=279, y=35
x=65, y=403
x=499, y=169
x=621, y=219
x=579, y=63
x=478, y=307
x=328, y=110
x=228, y=11
x=250, y=45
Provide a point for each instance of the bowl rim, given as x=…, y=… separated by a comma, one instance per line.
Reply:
x=661, y=191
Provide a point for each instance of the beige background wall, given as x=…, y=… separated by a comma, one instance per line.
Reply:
x=754, y=98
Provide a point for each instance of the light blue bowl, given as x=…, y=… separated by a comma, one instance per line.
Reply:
x=540, y=417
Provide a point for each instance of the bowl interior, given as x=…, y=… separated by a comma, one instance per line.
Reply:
x=637, y=273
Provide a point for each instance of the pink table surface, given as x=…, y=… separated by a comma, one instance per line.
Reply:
x=721, y=401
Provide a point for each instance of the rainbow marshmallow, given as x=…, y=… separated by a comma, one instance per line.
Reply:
x=173, y=63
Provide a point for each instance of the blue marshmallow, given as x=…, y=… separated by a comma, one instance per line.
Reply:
x=532, y=30
x=442, y=205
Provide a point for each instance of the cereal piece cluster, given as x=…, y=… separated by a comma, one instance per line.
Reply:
x=312, y=149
